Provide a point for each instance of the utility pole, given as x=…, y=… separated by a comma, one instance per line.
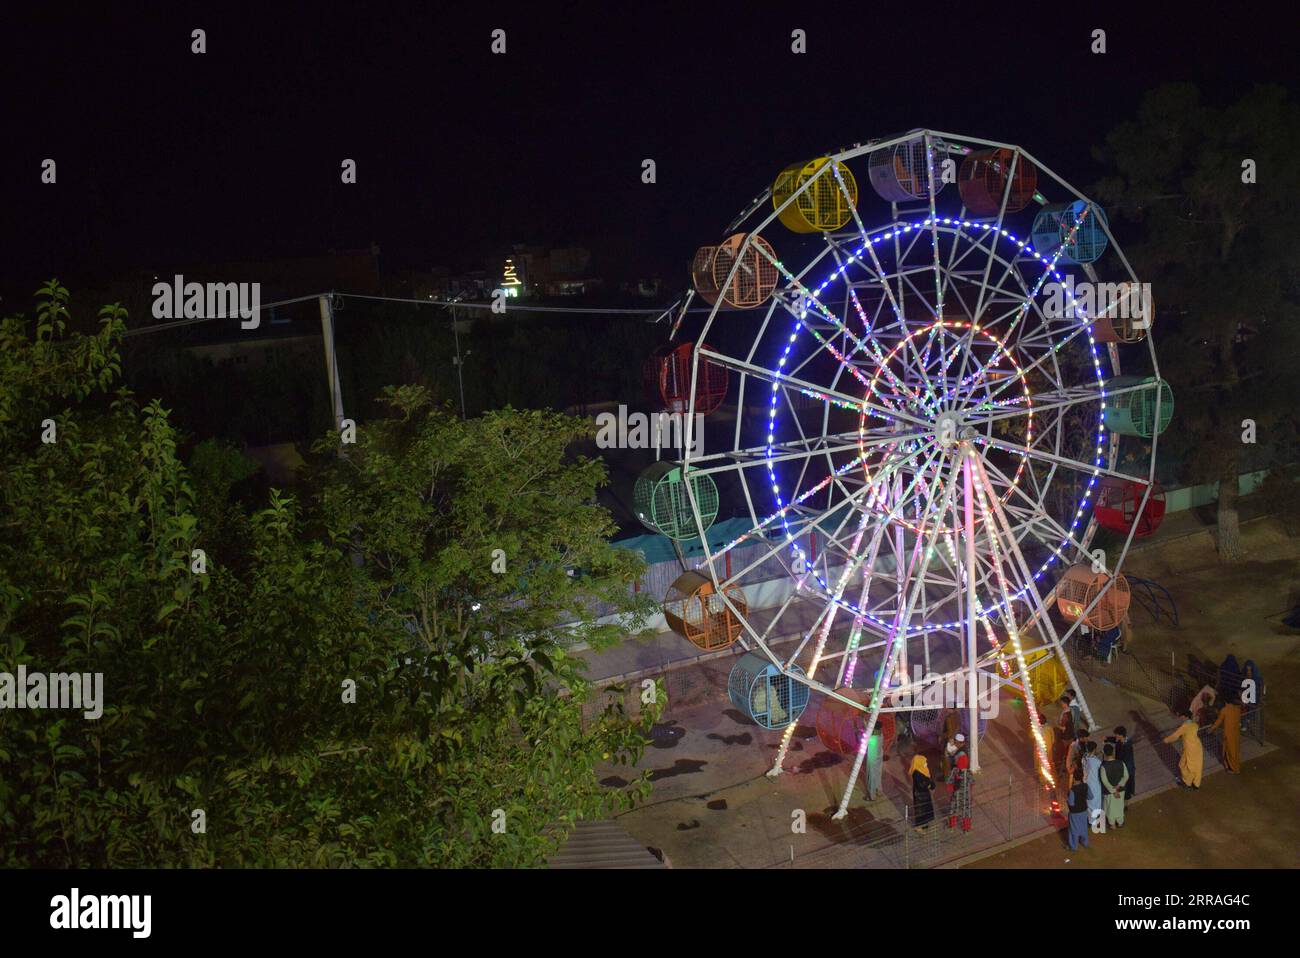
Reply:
x=331, y=359
x=460, y=366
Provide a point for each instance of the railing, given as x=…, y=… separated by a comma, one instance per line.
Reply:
x=1167, y=684
x=1002, y=811
x=1155, y=598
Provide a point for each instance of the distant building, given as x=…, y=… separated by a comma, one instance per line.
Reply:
x=544, y=271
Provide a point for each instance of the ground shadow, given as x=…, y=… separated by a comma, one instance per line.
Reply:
x=666, y=734
x=743, y=738
x=1168, y=754
x=683, y=766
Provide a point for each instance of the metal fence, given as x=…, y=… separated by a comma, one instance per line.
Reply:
x=1174, y=687
x=1002, y=811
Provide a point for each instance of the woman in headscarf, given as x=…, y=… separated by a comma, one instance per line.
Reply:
x=1250, y=672
x=1065, y=735
x=1229, y=677
x=1230, y=721
x=1204, y=699
x=1189, y=766
x=922, y=786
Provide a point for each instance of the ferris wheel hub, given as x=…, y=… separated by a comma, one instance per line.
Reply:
x=950, y=428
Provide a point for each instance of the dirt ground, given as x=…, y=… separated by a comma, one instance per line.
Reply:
x=1245, y=821
x=713, y=807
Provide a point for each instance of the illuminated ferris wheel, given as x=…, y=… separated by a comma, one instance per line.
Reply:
x=929, y=427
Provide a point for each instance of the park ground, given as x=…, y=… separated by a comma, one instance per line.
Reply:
x=1245, y=821
x=712, y=806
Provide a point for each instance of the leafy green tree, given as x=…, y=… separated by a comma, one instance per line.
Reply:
x=1216, y=191
x=94, y=556
x=331, y=683
x=474, y=543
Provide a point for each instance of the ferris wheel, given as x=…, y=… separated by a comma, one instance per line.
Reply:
x=915, y=414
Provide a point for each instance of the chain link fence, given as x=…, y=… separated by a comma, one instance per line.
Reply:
x=1174, y=687
x=1002, y=811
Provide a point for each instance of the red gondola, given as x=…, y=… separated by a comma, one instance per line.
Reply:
x=1117, y=506
x=667, y=376
x=840, y=725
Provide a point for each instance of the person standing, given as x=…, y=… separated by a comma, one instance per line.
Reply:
x=1250, y=678
x=1230, y=721
x=922, y=786
x=1114, y=776
x=1124, y=752
x=1229, y=677
x=1077, y=806
x=1064, y=738
x=959, y=785
x=1189, y=766
x=875, y=762
x=951, y=725
x=1074, y=757
x=1049, y=737
x=1203, y=700
x=1076, y=711
x=1092, y=777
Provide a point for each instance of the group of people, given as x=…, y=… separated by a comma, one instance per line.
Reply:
x=956, y=762
x=1100, y=781
x=1188, y=734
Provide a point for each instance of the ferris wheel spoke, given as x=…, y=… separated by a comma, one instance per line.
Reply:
x=1035, y=514
x=780, y=379
x=1033, y=367
x=993, y=234
x=1024, y=296
x=899, y=312
x=894, y=469
x=1043, y=455
x=1061, y=399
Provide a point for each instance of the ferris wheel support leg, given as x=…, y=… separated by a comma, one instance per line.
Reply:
x=850, y=569
x=779, y=762
x=972, y=653
x=1046, y=619
x=893, y=652
x=1000, y=531
x=900, y=567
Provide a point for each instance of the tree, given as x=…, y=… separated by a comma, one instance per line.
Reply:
x=270, y=701
x=1215, y=192
x=474, y=542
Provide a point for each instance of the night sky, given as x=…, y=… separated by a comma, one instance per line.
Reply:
x=168, y=157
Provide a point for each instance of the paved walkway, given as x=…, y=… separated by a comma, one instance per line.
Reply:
x=712, y=805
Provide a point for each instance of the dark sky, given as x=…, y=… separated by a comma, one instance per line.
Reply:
x=169, y=157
